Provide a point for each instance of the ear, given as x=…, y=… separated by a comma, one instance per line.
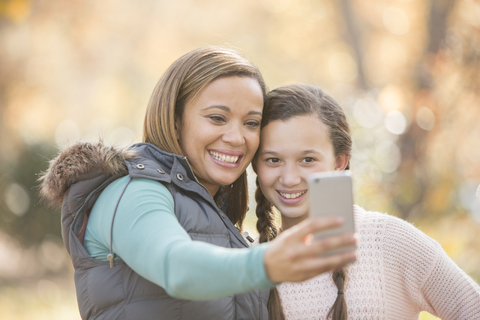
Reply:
x=341, y=161
x=178, y=126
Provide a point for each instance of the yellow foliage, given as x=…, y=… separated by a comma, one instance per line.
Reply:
x=15, y=10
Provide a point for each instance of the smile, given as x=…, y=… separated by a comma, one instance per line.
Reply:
x=223, y=157
x=292, y=195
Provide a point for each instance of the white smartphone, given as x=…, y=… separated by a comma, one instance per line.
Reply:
x=330, y=194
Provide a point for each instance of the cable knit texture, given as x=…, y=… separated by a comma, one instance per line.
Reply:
x=400, y=271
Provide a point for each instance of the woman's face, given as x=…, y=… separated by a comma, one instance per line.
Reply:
x=220, y=130
x=289, y=152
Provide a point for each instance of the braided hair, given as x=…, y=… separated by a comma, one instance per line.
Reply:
x=268, y=230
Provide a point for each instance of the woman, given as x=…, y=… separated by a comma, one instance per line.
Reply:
x=399, y=272
x=145, y=227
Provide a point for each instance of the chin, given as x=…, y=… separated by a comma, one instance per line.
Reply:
x=226, y=182
x=292, y=214
x=228, y=179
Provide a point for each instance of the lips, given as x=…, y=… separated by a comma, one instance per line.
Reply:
x=292, y=197
x=226, y=158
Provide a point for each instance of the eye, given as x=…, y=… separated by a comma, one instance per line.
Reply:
x=216, y=118
x=308, y=159
x=273, y=160
x=252, y=124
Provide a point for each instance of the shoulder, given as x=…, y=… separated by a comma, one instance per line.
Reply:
x=140, y=190
x=395, y=228
x=135, y=184
x=135, y=192
x=408, y=254
x=81, y=162
x=401, y=243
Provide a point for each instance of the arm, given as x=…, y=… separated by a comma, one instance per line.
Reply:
x=419, y=271
x=450, y=292
x=149, y=238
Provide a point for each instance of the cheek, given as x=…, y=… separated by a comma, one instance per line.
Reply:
x=253, y=141
x=266, y=178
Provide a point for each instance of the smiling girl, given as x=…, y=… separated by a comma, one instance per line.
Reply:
x=399, y=272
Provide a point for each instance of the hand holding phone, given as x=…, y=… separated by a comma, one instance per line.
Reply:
x=330, y=194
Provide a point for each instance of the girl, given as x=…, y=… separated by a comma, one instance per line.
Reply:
x=399, y=272
x=150, y=230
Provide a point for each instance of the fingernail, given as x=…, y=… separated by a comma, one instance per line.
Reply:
x=352, y=256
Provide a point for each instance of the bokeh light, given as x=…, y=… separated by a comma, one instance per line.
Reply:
x=395, y=20
x=425, y=118
x=367, y=113
x=395, y=122
x=17, y=199
x=387, y=156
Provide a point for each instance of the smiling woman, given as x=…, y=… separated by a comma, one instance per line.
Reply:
x=220, y=130
x=150, y=230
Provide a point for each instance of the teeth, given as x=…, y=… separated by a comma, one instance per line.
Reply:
x=292, y=195
x=224, y=158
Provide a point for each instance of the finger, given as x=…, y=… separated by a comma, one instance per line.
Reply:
x=313, y=267
x=319, y=246
x=312, y=225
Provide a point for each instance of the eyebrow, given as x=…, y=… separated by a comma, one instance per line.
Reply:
x=227, y=109
x=310, y=151
x=273, y=153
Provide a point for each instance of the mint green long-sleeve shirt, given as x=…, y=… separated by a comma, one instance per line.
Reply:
x=148, y=237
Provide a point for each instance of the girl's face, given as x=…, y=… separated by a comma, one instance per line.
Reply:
x=220, y=130
x=289, y=152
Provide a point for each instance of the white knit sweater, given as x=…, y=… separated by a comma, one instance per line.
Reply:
x=399, y=272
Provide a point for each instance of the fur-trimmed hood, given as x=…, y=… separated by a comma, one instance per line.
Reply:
x=76, y=162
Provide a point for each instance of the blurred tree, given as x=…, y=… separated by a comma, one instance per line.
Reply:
x=441, y=77
x=413, y=177
x=22, y=214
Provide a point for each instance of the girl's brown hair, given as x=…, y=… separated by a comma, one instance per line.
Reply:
x=181, y=84
x=283, y=104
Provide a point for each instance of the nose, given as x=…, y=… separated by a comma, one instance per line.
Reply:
x=290, y=176
x=233, y=135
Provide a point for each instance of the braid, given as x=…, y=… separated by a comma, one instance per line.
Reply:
x=339, y=308
x=268, y=230
x=266, y=226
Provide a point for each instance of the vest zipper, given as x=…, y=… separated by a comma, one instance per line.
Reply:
x=193, y=174
x=222, y=214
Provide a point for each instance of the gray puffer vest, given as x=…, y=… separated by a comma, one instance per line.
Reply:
x=78, y=176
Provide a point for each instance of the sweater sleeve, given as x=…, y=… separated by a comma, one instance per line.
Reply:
x=148, y=237
x=419, y=273
x=450, y=292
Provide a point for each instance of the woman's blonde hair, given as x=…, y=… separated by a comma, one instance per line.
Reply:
x=181, y=84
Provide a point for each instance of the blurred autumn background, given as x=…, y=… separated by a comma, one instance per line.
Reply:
x=406, y=72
